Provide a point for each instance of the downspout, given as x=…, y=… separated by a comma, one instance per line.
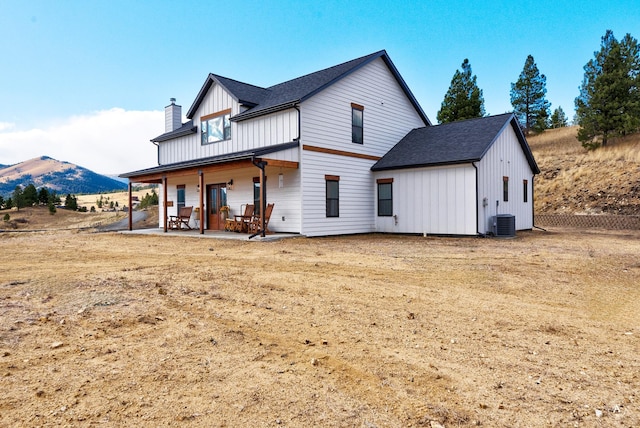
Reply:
x=477, y=201
x=298, y=110
x=157, y=151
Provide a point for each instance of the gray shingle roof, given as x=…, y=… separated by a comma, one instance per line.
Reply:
x=284, y=95
x=242, y=155
x=245, y=93
x=186, y=129
x=452, y=143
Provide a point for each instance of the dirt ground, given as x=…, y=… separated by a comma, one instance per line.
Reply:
x=106, y=329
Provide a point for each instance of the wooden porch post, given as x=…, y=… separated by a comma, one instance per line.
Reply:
x=164, y=196
x=201, y=213
x=130, y=207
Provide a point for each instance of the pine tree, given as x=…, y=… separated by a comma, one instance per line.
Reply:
x=609, y=100
x=558, y=118
x=464, y=99
x=18, y=197
x=70, y=202
x=43, y=196
x=30, y=194
x=528, y=98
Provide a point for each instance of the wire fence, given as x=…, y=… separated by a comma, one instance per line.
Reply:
x=611, y=222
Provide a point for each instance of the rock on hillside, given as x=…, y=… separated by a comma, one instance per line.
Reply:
x=63, y=177
x=576, y=181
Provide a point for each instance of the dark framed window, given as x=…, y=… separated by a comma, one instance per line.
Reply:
x=385, y=197
x=525, y=190
x=216, y=127
x=357, y=129
x=333, y=195
x=180, y=191
x=505, y=189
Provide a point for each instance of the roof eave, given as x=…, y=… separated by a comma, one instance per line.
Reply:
x=250, y=115
x=524, y=144
x=171, y=135
x=425, y=165
x=406, y=89
x=244, y=155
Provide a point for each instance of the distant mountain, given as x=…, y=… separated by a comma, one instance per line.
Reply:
x=63, y=177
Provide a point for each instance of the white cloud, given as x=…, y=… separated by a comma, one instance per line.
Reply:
x=107, y=142
x=6, y=125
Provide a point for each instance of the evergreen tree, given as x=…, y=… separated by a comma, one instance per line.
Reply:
x=71, y=203
x=558, y=118
x=609, y=100
x=30, y=194
x=8, y=204
x=464, y=99
x=1, y=201
x=43, y=196
x=18, y=197
x=528, y=98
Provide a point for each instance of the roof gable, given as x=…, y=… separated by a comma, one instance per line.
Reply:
x=284, y=95
x=244, y=93
x=452, y=143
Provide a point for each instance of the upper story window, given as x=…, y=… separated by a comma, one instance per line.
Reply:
x=216, y=127
x=525, y=190
x=357, y=112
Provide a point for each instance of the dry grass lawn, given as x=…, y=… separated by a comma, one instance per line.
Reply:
x=576, y=181
x=106, y=329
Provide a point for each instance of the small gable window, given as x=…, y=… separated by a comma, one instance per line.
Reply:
x=333, y=195
x=357, y=130
x=385, y=197
x=525, y=190
x=216, y=127
x=505, y=189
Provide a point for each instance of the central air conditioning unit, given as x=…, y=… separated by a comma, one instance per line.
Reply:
x=504, y=225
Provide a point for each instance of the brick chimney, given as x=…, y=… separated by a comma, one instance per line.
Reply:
x=172, y=116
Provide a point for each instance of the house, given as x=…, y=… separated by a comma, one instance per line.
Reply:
x=322, y=148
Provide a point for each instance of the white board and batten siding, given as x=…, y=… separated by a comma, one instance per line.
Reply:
x=355, y=195
x=505, y=158
x=275, y=128
x=283, y=192
x=326, y=123
x=435, y=200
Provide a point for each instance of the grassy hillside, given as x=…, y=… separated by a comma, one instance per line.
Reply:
x=573, y=180
x=63, y=177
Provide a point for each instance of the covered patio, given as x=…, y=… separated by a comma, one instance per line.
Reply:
x=203, y=185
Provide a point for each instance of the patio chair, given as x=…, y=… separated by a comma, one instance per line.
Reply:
x=255, y=226
x=241, y=222
x=177, y=222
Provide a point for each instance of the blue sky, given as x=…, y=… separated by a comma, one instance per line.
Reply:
x=86, y=81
